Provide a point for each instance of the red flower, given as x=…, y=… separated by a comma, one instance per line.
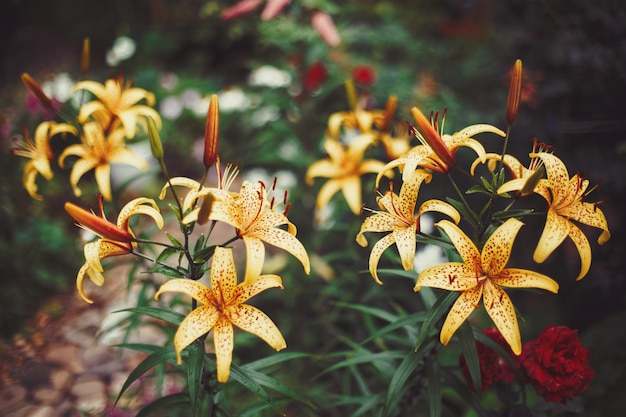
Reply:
x=493, y=367
x=557, y=364
x=363, y=74
x=315, y=75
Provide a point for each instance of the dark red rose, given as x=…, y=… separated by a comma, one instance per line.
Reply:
x=363, y=74
x=493, y=367
x=314, y=76
x=557, y=364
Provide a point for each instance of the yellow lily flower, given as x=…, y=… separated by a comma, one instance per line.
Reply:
x=39, y=153
x=565, y=203
x=115, y=100
x=359, y=119
x=115, y=239
x=222, y=307
x=481, y=275
x=400, y=219
x=437, y=150
x=525, y=181
x=253, y=217
x=97, y=152
x=344, y=166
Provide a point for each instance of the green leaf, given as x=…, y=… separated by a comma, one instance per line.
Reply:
x=373, y=311
x=366, y=357
x=195, y=368
x=269, y=382
x=402, y=374
x=512, y=213
x=274, y=359
x=204, y=254
x=174, y=241
x=412, y=319
x=441, y=306
x=167, y=270
x=434, y=388
x=166, y=354
x=166, y=253
x=169, y=316
x=241, y=375
x=176, y=401
x=468, y=348
x=461, y=388
x=466, y=213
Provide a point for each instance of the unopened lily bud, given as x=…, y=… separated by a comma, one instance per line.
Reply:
x=205, y=209
x=390, y=109
x=84, y=57
x=433, y=138
x=325, y=28
x=211, y=132
x=99, y=225
x=155, y=139
x=36, y=90
x=515, y=92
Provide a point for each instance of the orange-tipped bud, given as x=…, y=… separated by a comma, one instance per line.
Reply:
x=433, y=139
x=205, y=209
x=98, y=225
x=155, y=139
x=211, y=132
x=390, y=110
x=36, y=90
x=84, y=57
x=515, y=92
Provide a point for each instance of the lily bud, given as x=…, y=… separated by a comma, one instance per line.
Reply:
x=433, y=138
x=155, y=139
x=532, y=181
x=99, y=225
x=211, y=132
x=390, y=109
x=36, y=90
x=325, y=28
x=515, y=92
x=84, y=57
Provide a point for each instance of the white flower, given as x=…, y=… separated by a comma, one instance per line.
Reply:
x=268, y=76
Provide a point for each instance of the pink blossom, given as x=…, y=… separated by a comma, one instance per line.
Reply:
x=239, y=9
x=325, y=27
x=273, y=8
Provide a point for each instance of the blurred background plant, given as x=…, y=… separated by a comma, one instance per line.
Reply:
x=278, y=80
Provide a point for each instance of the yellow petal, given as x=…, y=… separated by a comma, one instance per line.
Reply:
x=463, y=244
x=501, y=310
x=255, y=257
x=554, y=232
x=223, y=273
x=583, y=247
x=247, y=290
x=197, y=323
x=351, y=188
x=497, y=250
x=328, y=190
x=377, y=252
x=441, y=207
x=286, y=241
x=589, y=214
x=460, y=311
x=253, y=320
x=406, y=242
x=194, y=289
x=223, y=340
x=523, y=278
x=80, y=277
x=103, y=179
x=556, y=172
x=452, y=276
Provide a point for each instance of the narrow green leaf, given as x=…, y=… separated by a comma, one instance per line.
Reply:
x=195, y=362
x=166, y=354
x=373, y=311
x=166, y=253
x=166, y=270
x=402, y=374
x=174, y=241
x=468, y=348
x=410, y=321
x=367, y=357
x=274, y=359
x=204, y=254
x=466, y=213
x=461, y=388
x=175, y=401
x=241, y=375
x=512, y=213
x=169, y=316
x=441, y=306
x=273, y=384
x=434, y=388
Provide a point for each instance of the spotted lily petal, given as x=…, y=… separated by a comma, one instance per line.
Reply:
x=501, y=310
x=460, y=311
